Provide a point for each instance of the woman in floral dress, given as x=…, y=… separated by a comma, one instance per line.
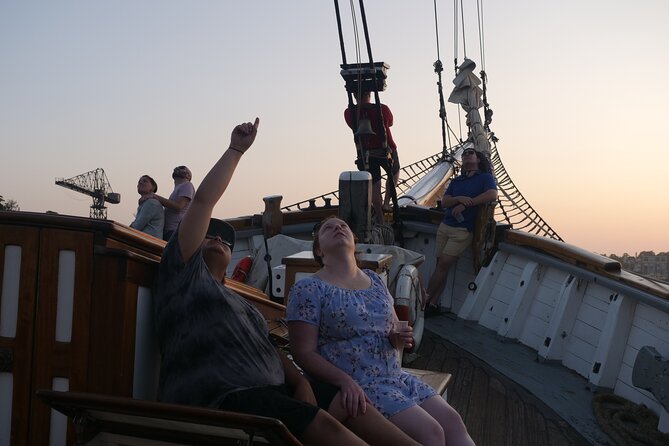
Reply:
x=340, y=322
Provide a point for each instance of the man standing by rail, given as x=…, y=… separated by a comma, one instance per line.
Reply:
x=474, y=186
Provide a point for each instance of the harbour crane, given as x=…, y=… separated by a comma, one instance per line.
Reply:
x=96, y=185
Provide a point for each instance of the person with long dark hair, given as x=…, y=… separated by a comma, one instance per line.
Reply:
x=474, y=186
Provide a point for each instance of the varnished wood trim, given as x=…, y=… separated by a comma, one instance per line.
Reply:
x=110, y=229
x=21, y=346
x=126, y=252
x=51, y=358
x=271, y=311
x=564, y=251
x=588, y=260
x=112, y=322
x=74, y=403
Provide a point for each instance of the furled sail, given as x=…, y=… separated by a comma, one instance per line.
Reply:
x=468, y=93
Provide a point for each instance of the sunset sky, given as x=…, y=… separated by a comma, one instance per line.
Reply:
x=579, y=89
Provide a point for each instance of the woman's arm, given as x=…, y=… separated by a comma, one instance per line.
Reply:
x=296, y=380
x=402, y=338
x=303, y=345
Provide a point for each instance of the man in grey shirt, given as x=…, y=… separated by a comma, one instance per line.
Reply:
x=215, y=346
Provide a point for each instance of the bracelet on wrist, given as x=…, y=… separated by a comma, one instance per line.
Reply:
x=236, y=149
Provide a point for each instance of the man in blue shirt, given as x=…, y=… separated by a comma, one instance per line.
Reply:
x=474, y=186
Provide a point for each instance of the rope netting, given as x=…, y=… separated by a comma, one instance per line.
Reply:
x=513, y=208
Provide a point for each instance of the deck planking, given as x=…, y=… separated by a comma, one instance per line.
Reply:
x=496, y=410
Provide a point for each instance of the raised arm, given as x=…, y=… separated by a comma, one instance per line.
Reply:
x=176, y=205
x=194, y=224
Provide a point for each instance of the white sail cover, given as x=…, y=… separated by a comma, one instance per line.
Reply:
x=468, y=94
x=281, y=246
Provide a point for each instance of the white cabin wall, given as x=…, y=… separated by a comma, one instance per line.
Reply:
x=456, y=289
x=575, y=312
x=583, y=339
x=649, y=327
x=548, y=292
x=424, y=244
x=503, y=292
x=458, y=282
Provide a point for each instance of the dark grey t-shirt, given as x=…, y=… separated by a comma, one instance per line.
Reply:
x=212, y=340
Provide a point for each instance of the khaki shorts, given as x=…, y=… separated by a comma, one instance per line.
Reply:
x=452, y=241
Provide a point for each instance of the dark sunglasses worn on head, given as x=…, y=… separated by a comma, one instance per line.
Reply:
x=213, y=236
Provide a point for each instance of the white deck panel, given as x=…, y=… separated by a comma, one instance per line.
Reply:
x=534, y=333
x=654, y=322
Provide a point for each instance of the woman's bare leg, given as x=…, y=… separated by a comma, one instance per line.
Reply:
x=371, y=426
x=326, y=430
x=420, y=426
x=450, y=420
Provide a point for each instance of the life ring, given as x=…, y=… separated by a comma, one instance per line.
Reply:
x=408, y=303
x=241, y=271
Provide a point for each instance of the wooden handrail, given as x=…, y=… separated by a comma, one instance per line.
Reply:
x=103, y=413
x=564, y=251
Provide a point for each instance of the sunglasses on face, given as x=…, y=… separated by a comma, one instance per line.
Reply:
x=225, y=242
x=468, y=152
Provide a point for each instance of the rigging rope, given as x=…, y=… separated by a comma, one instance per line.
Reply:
x=479, y=14
x=438, y=68
x=455, y=36
x=436, y=28
x=513, y=208
x=464, y=40
x=487, y=112
x=446, y=129
x=364, y=153
x=356, y=38
x=456, y=28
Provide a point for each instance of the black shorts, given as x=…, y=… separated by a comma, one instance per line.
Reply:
x=278, y=402
x=324, y=393
x=378, y=163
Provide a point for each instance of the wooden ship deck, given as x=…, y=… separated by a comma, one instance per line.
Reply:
x=496, y=410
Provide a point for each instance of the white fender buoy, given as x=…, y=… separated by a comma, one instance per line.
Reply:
x=408, y=305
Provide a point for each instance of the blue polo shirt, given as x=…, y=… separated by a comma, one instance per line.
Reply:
x=472, y=186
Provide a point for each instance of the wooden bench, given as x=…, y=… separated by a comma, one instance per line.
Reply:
x=439, y=381
x=107, y=420
x=110, y=420
x=102, y=420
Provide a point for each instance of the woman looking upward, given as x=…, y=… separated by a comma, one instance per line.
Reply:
x=340, y=322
